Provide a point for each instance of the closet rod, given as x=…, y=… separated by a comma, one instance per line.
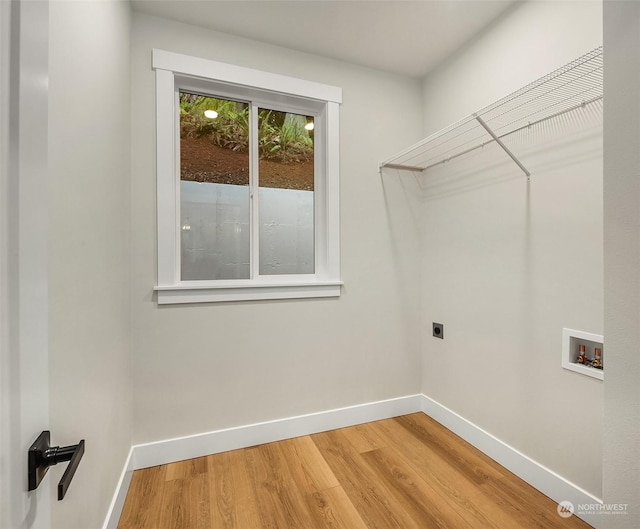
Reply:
x=500, y=136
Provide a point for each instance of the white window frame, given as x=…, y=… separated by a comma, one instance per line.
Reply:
x=174, y=72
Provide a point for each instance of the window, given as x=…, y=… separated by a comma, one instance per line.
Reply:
x=247, y=183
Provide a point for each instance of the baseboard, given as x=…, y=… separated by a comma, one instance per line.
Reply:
x=171, y=450
x=117, y=503
x=538, y=476
x=179, y=449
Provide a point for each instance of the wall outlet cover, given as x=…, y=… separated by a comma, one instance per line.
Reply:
x=438, y=330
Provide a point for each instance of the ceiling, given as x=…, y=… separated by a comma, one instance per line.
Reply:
x=404, y=37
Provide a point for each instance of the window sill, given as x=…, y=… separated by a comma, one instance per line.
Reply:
x=194, y=292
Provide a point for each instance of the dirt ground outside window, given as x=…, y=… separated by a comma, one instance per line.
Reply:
x=202, y=161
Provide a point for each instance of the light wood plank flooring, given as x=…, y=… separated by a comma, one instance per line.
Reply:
x=402, y=473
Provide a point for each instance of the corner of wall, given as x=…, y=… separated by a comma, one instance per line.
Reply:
x=621, y=450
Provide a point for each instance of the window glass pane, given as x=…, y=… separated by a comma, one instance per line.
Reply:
x=214, y=188
x=285, y=193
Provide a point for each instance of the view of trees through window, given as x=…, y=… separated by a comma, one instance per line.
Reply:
x=214, y=144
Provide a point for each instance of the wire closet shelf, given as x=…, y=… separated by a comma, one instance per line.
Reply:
x=572, y=87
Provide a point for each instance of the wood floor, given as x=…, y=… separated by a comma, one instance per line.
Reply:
x=402, y=473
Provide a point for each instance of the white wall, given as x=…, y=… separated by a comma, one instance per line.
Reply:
x=89, y=145
x=199, y=368
x=506, y=264
x=530, y=40
x=621, y=465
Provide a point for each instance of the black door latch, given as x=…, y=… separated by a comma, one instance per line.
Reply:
x=42, y=456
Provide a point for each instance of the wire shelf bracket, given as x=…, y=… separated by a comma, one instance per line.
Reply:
x=504, y=147
x=574, y=86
